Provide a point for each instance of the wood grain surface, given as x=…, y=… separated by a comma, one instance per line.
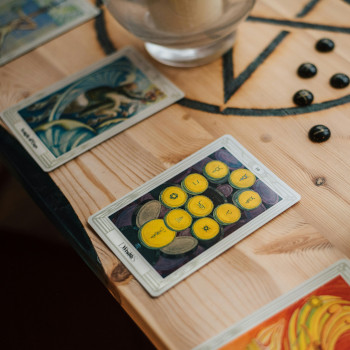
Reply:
x=246, y=94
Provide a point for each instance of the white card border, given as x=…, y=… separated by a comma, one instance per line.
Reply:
x=340, y=268
x=48, y=161
x=151, y=280
x=90, y=11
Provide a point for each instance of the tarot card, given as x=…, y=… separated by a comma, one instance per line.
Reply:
x=26, y=24
x=315, y=315
x=175, y=223
x=87, y=108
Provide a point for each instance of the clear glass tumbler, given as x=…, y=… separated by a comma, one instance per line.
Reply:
x=182, y=33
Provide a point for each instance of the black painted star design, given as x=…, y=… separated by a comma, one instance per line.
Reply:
x=233, y=84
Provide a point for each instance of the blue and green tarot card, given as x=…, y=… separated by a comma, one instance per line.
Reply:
x=26, y=24
x=83, y=110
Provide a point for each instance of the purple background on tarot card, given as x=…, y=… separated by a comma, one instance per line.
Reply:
x=125, y=217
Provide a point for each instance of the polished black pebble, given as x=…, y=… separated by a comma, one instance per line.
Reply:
x=339, y=81
x=319, y=133
x=303, y=98
x=307, y=70
x=325, y=45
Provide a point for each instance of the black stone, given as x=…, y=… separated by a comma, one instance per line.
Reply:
x=307, y=70
x=339, y=81
x=319, y=133
x=325, y=45
x=303, y=98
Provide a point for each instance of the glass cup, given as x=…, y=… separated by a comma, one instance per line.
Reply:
x=182, y=33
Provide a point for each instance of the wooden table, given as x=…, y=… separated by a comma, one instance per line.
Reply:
x=248, y=94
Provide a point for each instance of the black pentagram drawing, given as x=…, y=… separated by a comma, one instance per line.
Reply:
x=232, y=84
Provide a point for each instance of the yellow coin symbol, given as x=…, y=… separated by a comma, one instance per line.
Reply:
x=227, y=214
x=247, y=199
x=205, y=229
x=155, y=234
x=216, y=170
x=242, y=178
x=195, y=183
x=200, y=206
x=173, y=197
x=178, y=219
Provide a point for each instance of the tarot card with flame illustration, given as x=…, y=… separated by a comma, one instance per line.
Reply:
x=315, y=316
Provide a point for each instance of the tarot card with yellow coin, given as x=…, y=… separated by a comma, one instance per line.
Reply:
x=183, y=218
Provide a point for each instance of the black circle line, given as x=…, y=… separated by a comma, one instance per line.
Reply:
x=263, y=112
x=101, y=31
x=299, y=24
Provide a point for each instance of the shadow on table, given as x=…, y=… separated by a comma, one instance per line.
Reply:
x=51, y=299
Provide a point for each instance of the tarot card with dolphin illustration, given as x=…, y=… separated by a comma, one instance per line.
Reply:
x=175, y=223
x=315, y=316
x=89, y=107
x=26, y=24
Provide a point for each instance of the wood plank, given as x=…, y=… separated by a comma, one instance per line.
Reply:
x=301, y=242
